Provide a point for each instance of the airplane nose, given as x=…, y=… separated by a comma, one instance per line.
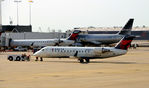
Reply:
x=37, y=54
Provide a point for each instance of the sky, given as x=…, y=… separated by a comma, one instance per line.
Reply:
x=68, y=14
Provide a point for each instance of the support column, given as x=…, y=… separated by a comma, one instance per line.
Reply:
x=0, y=17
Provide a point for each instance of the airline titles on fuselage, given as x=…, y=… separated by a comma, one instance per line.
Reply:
x=70, y=50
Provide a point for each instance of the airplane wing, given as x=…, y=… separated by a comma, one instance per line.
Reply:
x=57, y=42
x=75, y=55
x=91, y=42
x=95, y=42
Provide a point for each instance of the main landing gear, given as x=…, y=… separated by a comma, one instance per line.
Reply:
x=82, y=60
x=41, y=59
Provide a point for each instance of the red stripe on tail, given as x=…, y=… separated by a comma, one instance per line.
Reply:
x=125, y=43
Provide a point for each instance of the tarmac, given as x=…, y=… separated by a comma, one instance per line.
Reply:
x=127, y=71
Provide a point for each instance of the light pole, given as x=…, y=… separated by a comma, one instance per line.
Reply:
x=30, y=9
x=0, y=16
x=17, y=1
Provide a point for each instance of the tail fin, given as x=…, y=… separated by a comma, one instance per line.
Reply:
x=74, y=35
x=126, y=30
x=125, y=42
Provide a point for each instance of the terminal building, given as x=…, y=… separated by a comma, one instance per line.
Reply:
x=16, y=28
x=142, y=32
x=6, y=37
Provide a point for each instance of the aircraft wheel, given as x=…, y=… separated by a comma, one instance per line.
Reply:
x=36, y=59
x=18, y=58
x=81, y=60
x=41, y=59
x=87, y=60
x=23, y=59
x=10, y=58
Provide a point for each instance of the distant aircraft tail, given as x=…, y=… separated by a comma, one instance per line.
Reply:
x=126, y=30
x=74, y=35
x=125, y=43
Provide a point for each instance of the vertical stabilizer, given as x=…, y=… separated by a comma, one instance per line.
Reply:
x=126, y=30
x=125, y=43
x=74, y=35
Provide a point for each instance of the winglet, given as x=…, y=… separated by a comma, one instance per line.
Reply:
x=125, y=43
x=74, y=35
x=126, y=30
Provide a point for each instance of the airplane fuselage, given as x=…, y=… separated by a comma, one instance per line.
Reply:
x=83, y=39
x=98, y=39
x=40, y=42
x=46, y=42
x=79, y=52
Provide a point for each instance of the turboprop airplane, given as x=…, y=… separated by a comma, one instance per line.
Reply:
x=46, y=42
x=101, y=39
x=86, y=53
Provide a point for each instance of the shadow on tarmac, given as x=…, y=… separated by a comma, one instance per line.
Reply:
x=106, y=62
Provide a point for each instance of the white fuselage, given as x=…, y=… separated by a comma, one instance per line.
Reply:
x=79, y=52
x=41, y=42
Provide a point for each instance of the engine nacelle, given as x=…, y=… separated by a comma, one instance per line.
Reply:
x=104, y=50
x=66, y=42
